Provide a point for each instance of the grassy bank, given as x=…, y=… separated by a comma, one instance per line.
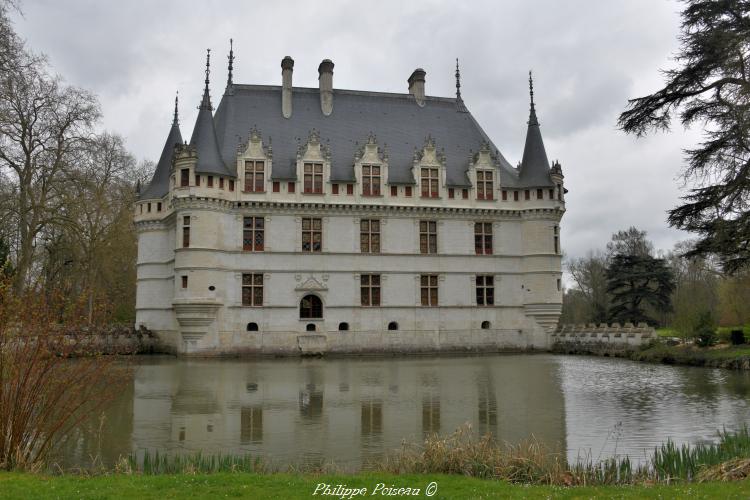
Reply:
x=294, y=486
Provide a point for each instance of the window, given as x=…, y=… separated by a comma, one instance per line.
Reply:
x=407, y=191
x=505, y=195
x=429, y=182
x=148, y=207
x=221, y=182
x=310, y=327
x=343, y=326
x=556, y=238
x=465, y=194
x=312, y=234
x=210, y=181
x=184, y=177
x=313, y=178
x=255, y=176
x=559, y=192
x=158, y=207
x=484, y=185
x=290, y=187
x=310, y=307
x=485, y=290
x=429, y=289
x=369, y=236
x=515, y=195
x=559, y=284
x=370, y=180
x=451, y=193
x=526, y=194
x=253, y=237
x=334, y=189
x=485, y=325
x=252, y=289
x=276, y=186
x=392, y=326
x=427, y=236
x=231, y=185
x=552, y=194
x=369, y=289
x=350, y=189
x=252, y=327
x=539, y=194
x=197, y=180
x=394, y=190
x=184, y=281
x=186, y=231
x=141, y=208
x=483, y=238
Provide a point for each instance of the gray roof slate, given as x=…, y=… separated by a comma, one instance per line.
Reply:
x=204, y=139
x=534, y=165
x=159, y=185
x=398, y=123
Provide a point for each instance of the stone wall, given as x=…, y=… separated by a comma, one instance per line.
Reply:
x=602, y=334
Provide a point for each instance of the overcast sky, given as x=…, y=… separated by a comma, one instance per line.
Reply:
x=588, y=58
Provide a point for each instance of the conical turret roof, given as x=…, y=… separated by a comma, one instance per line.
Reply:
x=204, y=137
x=534, y=169
x=159, y=185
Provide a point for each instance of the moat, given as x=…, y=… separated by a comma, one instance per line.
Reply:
x=354, y=410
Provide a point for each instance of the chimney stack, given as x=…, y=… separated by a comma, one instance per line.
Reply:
x=287, y=66
x=325, y=81
x=416, y=85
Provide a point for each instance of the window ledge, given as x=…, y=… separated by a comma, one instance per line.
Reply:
x=312, y=320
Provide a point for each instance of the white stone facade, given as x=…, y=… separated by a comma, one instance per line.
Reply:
x=191, y=292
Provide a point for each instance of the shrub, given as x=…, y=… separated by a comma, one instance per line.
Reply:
x=705, y=330
x=44, y=393
x=737, y=337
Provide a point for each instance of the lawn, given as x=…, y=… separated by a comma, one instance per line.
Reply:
x=290, y=486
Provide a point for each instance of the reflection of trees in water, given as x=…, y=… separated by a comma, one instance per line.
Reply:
x=486, y=403
x=311, y=403
x=737, y=384
x=430, y=414
x=701, y=384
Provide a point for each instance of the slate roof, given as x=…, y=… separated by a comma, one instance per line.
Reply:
x=395, y=119
x=534, y=165
x=204, y=139
x=159, y=185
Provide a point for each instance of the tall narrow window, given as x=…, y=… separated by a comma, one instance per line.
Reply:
x=252, y=289
x=334, y=189
x=484, y=185
x=184, y=177
x=394, y=190
x=255, y=181
x=451, y=193
x=210, y=181
x=369, y=236
x=428, y=284
x=539, y=194
x=483, y=238
x=253, y=234
x=505, y=195
x=221, y=182
x=290, y=187
x=556, y=238
x=231, y=185
x=370, y=180
x=197, y=180
x=465, y=194
x=313, y=178
x=184, y=281
x=427, y=236
x=312, y=234
x=186, y=231
x=552, y=194
x=485, y=290
x=349, y=189
x=407, y=191
x=369, y=289
x=429, y=183
x=559, y=192
x=526, y=194
x=515, y=195
x=276, y=186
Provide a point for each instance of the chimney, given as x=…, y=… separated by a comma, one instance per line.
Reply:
x=287, y=66
x=325, y=81
x=416, y=85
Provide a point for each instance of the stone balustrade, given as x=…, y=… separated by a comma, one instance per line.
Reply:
x=615, y=333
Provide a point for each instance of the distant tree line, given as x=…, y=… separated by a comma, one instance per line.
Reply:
x=66, y=188
x=678, y=289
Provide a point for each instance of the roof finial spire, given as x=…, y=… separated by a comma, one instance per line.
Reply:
x=459, y=100
x=231, y=60
x=206, y=102
x=532, y=111
x=176, y=120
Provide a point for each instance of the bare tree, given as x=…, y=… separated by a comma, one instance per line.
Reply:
x=589, y=274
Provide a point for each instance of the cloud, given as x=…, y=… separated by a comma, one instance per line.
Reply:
x=588, y=58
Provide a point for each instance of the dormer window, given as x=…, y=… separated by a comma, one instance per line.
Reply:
x=370, y=180
x=313, y=178
x=484, y=185
x=429, y=182
x=255, y=181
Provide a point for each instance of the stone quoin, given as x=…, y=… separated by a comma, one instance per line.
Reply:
x=321, y=220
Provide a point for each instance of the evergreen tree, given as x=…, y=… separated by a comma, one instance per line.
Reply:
x=635, y=281
x=710, y=87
